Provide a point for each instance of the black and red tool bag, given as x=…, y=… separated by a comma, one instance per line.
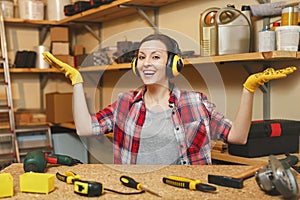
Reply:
x=77, y=7
x=96, y=3
x=268, y=137
x=80, y=6
x=69, y=10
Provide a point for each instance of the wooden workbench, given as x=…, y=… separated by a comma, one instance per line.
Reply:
x=150, y=176
x=226, y=157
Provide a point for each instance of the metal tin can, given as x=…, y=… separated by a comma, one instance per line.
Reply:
x=289, y=16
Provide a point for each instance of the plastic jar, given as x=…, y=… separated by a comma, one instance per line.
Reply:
x=31, y=9
x=55, y=9
x=287, y=38
x=7, y=8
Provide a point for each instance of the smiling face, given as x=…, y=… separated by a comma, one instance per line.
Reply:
x=152, y=61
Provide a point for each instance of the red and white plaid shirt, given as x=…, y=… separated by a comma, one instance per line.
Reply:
x=196, y=125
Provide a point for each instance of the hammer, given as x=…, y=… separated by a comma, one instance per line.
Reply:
x=236, y=181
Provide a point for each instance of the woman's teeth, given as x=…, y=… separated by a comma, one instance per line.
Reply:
x=147, y=72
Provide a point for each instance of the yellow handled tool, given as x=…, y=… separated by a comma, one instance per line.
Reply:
x=130, y=182
x=188, y=183
x=88, y=188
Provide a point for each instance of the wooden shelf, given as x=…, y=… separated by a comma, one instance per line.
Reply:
x=254, y=56
x=244, y=57
x=28, y=23
x=106, y=67
x=113, y=11
x=31, y=70
x=100, y=14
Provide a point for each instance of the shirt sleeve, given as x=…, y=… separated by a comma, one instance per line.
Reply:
x=219, y=124
x=103, y=120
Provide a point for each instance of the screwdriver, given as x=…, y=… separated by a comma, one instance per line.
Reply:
x=130, y=182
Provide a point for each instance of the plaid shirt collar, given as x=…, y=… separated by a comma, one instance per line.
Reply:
x=174, y=95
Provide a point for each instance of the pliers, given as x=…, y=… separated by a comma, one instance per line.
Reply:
x=69, y=177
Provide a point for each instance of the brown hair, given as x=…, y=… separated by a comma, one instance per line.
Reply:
x=171, y=44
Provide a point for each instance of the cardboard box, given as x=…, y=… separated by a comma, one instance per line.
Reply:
x=23, y=118
x=60, y=48
x=59, y=34
x=59, y=107
x=66, y=59
x=79, y=50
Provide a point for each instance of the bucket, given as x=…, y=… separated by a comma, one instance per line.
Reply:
x=40, y=63
x=7, y=7
x=31, y=9
x=287, y=38
x=55, y=9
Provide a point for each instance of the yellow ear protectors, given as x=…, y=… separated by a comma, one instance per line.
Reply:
x=133, y=67
x=174, y=65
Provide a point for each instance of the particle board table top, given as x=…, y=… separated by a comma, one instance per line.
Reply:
x=150, y=176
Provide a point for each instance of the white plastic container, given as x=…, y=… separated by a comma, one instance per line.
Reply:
x=31, y=9
x=55, y=9
x=7, y=8
x=287, y=38
x=234, y=32
x=267, y=41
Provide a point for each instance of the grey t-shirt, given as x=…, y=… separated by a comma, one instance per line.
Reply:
x=158, y=144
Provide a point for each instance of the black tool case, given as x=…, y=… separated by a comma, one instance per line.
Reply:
x=96, y=3
x=77, y=7
x=268, y=137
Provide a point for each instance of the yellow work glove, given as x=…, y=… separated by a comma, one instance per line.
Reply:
x=258, y=79
x=70, y=72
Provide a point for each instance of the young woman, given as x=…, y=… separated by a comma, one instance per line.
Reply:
x=161, y=124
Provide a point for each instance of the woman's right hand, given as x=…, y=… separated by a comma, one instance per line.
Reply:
x=70, y=72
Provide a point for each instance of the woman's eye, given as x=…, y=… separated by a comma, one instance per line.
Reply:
x=141, y=57
x=156, y=57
